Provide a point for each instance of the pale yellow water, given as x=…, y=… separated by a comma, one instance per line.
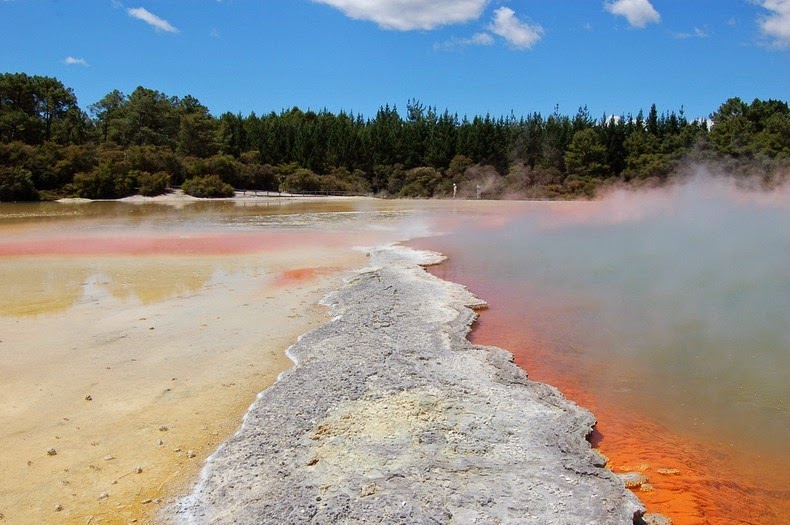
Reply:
x=133, y=340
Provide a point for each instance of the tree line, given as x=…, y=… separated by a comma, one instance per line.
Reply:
x=147, y=142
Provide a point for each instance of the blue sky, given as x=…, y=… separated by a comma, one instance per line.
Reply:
x=469, y=56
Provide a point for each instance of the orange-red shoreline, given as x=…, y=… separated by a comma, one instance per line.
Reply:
x=691, y=482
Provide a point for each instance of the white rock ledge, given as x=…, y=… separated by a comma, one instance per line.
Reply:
x=391, y=416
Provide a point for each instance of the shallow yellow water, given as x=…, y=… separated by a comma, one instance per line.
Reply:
x=127, y=377
x=126, y=362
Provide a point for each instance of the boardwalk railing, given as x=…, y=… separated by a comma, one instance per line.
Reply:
x=269, y=193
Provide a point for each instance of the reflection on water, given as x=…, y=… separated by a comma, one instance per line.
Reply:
x=53, y=254
x=199, y=214
x=30, y=290
x=668, y=314
x=117, y=318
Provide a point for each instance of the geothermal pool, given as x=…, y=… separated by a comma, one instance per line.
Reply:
x=665, y=313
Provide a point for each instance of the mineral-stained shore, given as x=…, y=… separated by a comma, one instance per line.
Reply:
x=391, y=416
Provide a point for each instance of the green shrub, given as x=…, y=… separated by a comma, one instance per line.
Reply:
x=207, y=186
x=105, y=181
x=153, y=184
x=301, y=181
x=16, y=184
x=340, y=180
x=420, y=182
x=259, y=177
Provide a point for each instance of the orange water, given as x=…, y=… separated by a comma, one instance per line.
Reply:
x=665, y=312
x=711, y=485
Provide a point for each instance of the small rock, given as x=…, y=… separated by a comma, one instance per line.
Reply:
x=191, y=453
x=368, y=490
x=88, y=398
x=58, y=507
x=601, y=459
x=52, y=452
x=646, y=487
x=138, y=470
x=656, y=519
x=108, y=458
x=632, y=479
x=146, y=501
x=178, y=449
x=163, y=428
x=104, y=495
x=668, y=471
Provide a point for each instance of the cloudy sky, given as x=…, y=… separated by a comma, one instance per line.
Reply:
x=469, y=56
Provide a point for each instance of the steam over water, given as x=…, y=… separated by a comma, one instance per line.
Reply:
x=666, y=312
x=670, y=305
x=696, y=293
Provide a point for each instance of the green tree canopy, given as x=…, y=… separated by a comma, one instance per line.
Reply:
x=31, y=108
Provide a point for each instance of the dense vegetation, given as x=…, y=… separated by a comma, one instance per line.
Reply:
x=147, y=142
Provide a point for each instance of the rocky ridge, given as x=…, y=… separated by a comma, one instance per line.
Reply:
x=391, y=416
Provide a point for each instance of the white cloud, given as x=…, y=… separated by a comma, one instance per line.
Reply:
x=519, y=34
x=151, y=19
x=776, y=26
x=72, y=61
x=407, y=15
x=482, y=39
x=697, y=33
x=639, y=13
x=478, y=39
x=700, y=33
